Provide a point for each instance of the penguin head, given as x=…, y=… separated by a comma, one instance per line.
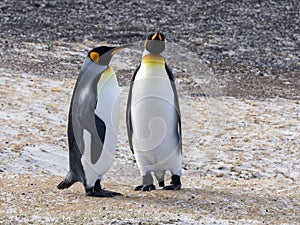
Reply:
x=155, y=43
x=103, y=54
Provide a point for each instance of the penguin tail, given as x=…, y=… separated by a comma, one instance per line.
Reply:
x=67, y=182
x=64, y=184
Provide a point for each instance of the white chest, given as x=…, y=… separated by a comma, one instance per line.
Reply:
x=153, y=111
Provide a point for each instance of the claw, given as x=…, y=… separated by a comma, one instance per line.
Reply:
x=173, y=187
x=139, y=188
x=97, y=191
x=148, y=187
x=102, y=193
x=175, y=183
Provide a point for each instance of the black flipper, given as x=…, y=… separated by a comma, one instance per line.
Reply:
x=97, y=140
x=176, y=102
x=128, y=111
x=101, y=128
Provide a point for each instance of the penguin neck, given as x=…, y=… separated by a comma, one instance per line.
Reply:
x=106, y=75
x=155, y=58
x=108, y=81
x=108, y=71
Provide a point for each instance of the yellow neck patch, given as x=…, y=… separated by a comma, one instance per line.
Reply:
x=108, y=71
x=153, y=58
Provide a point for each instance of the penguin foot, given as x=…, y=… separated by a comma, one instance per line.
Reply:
x=139, y=188
x=175, y=183
x=97, y=191
x=161, y=183
x=148, y=187
x=101, y=193
x=172, y=187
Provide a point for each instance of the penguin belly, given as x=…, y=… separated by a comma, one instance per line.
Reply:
x=108, y=110
x=154, y=118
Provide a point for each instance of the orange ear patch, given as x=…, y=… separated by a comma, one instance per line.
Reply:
x=154, y=36
x=94, y=56
x=160, y=38
x=157, y=34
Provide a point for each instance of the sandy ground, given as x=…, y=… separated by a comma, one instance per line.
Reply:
x=237, y=72
x=241, y=162
x=33, y=199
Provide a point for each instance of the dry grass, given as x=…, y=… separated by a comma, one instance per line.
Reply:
x=252, y=179
x=34, y=199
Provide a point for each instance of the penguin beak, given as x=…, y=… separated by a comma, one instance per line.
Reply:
x=115, y=50
x=105, y=58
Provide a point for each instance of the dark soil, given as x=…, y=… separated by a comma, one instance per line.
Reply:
x=253, y=47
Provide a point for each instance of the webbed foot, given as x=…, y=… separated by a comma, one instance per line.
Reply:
x=148, y=187
x=101, y=193
x=97, y=191
x=175, y=183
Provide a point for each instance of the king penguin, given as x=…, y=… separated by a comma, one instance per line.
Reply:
x=153, y=118
x=93, y=123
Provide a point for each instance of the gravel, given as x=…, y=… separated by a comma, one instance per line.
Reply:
x=237, y=71
x=252, y=47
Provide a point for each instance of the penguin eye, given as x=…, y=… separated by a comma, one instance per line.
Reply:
x=94, y=56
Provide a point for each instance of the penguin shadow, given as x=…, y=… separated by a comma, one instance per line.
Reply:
x=160, y=196
x=208, y=200
x=187, y=199
x=184, y=198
